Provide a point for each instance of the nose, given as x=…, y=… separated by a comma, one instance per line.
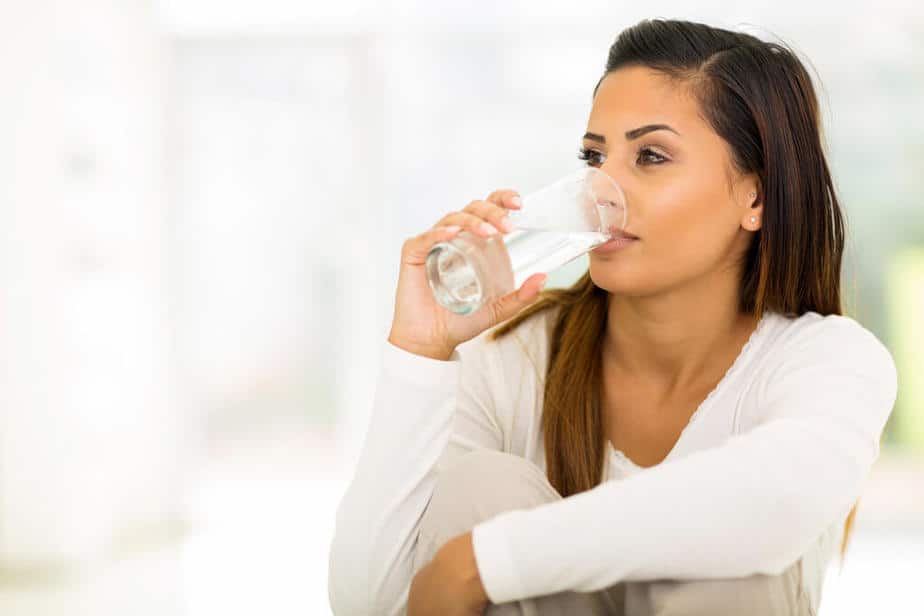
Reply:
x=625, y=193
x=611, y=170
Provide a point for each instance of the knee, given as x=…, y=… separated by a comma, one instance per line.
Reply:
x=479, y=461
x=481, y=484
x=487, y=474
x=476, y=487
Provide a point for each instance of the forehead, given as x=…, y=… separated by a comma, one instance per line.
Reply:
x=634, y=96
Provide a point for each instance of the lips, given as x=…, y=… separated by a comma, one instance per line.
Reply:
x=616, y=232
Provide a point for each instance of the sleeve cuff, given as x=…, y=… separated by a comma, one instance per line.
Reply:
x=495, y=560
x=419, y=370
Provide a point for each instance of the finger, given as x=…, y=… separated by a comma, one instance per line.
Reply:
x=471, y=222
x=506, y=197
x=493, y=213
x=531, y=287
x=415, y=250
x=515, y=301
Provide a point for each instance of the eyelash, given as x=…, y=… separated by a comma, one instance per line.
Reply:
x=586, y=153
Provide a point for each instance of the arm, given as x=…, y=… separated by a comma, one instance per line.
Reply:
x=419, y=404
x=751, y=505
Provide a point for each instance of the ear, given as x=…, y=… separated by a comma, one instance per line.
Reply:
x=752, y=204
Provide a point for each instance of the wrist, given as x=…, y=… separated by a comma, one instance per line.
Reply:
x=458, y=556
x=476, y=587
x=442, y=353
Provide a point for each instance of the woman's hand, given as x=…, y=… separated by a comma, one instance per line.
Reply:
x=449, y=585
x=421, y=325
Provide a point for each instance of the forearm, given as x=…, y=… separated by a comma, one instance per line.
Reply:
x=751, y=506
x=376, y=525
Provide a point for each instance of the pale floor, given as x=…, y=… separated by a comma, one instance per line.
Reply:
x=265, y=521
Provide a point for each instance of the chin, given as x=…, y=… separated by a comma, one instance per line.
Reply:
x=615, y=279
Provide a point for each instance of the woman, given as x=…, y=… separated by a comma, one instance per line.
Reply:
x=686, y=429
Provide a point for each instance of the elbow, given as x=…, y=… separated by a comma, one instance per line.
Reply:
x=822, y=489
x=345, y=585
x=772, y=563
x=793, y=527
x=341, y=600
x=346, y=574
x=365, y=577
x=770, y=555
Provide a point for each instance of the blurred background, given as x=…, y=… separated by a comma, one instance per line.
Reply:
x=202, y=206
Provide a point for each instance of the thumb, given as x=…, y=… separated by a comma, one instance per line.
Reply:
x=515, y=301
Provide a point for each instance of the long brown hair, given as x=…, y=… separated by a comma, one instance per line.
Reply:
x=759, y=98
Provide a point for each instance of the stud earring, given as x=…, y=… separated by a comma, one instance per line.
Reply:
x=753, y=219
x=753, y=195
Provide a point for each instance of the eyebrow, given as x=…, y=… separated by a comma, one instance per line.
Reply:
x=635, y=133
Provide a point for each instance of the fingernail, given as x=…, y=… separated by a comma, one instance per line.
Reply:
x=545, y=279
x=507, y=224
x=488, y=228
x=517, y=201
x=452, y=228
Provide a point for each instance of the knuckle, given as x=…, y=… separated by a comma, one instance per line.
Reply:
x=474, y=219
x=455, y=218
x=499, y=212
x=481, y=206
x=497, y=311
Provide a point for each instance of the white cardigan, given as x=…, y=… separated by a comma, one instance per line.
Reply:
x=764, y=473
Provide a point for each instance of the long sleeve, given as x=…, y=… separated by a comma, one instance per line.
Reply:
x=752, y=505
x=425, y=411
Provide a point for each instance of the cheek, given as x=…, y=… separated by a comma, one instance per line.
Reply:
x=691, y=204
x=688, y=229
x=692, y=226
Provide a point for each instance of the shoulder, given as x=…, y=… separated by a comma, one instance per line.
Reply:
x=829, y=335
x=815, y=346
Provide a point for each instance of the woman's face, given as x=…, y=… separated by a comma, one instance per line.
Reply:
x=688, y=206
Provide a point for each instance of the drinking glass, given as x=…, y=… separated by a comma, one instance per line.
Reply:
x=556, y=224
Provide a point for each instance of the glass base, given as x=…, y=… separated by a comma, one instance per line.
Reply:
x=454, y=279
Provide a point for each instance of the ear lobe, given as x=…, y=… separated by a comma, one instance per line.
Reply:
x=752, y=220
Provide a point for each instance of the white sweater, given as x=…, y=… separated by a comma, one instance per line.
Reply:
x=764, y=473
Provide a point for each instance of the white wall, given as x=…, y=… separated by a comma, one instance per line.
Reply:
x=90, y=441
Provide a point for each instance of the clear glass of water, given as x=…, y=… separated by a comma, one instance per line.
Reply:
x=556, y=224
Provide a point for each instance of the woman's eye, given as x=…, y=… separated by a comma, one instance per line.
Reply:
x=647, y=156
x=593, y=157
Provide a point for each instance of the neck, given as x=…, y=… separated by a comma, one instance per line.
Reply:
x=672, y=340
